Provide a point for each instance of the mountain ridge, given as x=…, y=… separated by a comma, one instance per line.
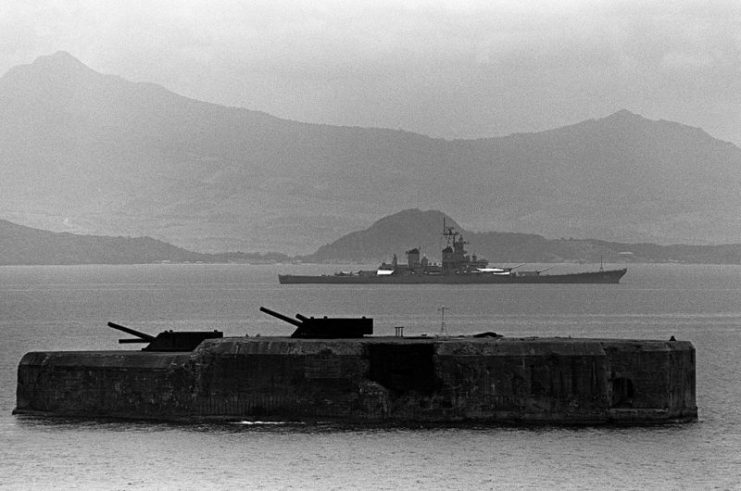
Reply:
x=112, y=157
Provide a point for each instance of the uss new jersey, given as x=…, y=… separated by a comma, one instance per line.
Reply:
x=458, y=267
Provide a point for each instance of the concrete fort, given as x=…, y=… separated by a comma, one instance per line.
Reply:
x=372, y=379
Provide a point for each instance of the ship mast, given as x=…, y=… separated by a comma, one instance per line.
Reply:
x=454, y=255
x=449, y=233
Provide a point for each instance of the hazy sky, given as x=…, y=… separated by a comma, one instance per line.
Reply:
x=449, y=68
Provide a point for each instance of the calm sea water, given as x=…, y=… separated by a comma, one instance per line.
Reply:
x=51, y=308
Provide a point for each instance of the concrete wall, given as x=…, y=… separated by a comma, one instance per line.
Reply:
x=560, y=380
x=116, y=383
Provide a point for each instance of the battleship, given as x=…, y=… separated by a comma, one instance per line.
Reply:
x=458, y=267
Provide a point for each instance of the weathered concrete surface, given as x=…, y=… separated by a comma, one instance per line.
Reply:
x=533, y=380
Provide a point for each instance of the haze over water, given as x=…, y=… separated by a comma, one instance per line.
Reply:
x=50, y=308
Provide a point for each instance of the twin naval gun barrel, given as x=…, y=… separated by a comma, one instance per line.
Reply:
x=167, y=340
x=326, y=327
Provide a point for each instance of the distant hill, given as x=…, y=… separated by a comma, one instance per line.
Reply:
x=388, y=236
x=24, y=245
x=96, y=154
x=401, y=231
x=20, y=245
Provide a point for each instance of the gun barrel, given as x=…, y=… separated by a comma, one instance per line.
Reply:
x=133, y=332
x=302, y=318
x=281, y=317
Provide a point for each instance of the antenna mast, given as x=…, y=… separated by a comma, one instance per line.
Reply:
x=443, y=331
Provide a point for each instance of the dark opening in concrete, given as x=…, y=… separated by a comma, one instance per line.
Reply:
x=403, y=368
x=622, y=392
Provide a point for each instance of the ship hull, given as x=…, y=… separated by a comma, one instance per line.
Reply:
x=605, y=277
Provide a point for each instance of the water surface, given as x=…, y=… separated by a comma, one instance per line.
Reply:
x=67, y=307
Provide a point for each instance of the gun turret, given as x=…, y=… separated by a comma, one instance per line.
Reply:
x=281, y=317
x=326, y=327
x=167, y=340
x=140, y=336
